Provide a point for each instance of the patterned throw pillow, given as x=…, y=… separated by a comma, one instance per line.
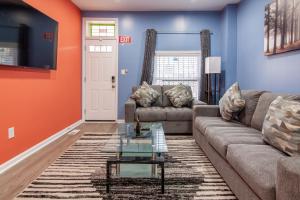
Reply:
x=145, y=96
x=281, y=127
x=231, y=102
x=179, y=95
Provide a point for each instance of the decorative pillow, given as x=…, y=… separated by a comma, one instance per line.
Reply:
x=145, y=96
x=231, y=102
x=281, y=127
x=179, y=95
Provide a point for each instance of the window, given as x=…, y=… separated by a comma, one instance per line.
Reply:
x=172, y=68
x=101, y=30
x=100, y=49
x=8, y=54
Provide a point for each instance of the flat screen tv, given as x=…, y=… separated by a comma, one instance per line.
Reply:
x=28, y=38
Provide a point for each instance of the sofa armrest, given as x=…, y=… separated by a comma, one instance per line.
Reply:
x=206, y=110
x=196, y=102
x=288, y=179
x=130, y=107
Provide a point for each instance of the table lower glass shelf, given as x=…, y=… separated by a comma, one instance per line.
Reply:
x=136, y=170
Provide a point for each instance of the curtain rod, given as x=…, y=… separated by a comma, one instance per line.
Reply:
x=191, y=33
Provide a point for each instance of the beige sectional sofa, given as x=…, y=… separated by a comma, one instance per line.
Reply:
x=253, y=169
x=174, y=120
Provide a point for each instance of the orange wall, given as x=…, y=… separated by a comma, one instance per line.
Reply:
x=39, y=103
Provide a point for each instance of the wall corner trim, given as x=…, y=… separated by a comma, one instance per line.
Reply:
x=12, y=162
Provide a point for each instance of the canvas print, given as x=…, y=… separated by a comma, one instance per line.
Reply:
x=282, y=26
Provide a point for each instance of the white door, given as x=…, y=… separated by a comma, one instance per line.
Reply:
x=101, y=80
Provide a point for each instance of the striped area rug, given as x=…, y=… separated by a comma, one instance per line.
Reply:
x=80, y=174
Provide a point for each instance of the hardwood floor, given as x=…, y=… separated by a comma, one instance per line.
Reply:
x=13, y=181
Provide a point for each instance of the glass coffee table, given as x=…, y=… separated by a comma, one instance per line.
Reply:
x=136, y=156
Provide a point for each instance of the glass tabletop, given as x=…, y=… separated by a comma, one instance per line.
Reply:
x=125, y=140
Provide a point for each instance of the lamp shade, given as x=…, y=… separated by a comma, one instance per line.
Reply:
x=213, y=65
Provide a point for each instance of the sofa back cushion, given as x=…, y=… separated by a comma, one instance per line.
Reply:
x=251, y=98
x=281, y=127
x=263, y=106
x=157, y=88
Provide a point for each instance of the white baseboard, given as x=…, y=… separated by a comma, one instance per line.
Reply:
x=120, y=121
x=12, y=162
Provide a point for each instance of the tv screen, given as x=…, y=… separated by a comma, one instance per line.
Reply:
x=28, y=38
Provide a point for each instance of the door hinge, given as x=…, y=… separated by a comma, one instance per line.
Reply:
x=84, y=111
x=84, y=79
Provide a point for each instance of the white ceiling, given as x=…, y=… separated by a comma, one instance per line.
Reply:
x=153, y=5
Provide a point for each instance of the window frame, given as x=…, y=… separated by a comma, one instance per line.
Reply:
x=13, y=46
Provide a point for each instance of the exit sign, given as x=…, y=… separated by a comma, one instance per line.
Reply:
x=125, y=39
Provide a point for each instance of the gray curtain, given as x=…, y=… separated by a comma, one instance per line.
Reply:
x=205, y=51
x=148, y=66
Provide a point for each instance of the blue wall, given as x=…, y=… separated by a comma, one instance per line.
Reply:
x=238, y=36
x=135, y=25
x=279, y=73
x=229, y=45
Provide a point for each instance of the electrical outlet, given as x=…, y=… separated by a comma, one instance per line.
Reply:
x=11, y=132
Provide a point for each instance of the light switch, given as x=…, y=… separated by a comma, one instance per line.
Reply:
x=124, y=71
x=11, y=132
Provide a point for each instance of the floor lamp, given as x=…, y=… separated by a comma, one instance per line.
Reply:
x=213, y=69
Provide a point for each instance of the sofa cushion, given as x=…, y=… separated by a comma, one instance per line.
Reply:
x=256, y=164
x=179, y=114
x=221, y=137
x=281, y=127
x=263, y=106
x=231, y=102
x=251, y=98
x=157, y=88
x=151, y=114
x=202, y=123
